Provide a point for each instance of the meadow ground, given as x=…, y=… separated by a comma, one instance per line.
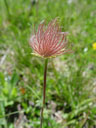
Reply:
x=71, y=78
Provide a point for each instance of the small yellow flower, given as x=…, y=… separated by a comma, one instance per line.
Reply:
x=94, y=45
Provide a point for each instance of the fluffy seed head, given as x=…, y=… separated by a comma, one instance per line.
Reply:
x=49, y=41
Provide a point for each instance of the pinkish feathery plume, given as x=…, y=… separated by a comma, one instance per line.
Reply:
x=49, y=41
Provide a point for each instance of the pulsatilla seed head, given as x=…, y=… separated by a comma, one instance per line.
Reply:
x=49, y=41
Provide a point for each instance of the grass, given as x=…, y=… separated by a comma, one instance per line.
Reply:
x=71, y=81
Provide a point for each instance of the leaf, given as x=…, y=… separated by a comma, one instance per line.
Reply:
x=14, y=79
x=2, y=80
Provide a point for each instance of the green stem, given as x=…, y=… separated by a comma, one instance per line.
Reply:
x=7, y=8
x=44, y=92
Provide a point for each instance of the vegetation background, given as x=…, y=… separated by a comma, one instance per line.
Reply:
x=71, y=81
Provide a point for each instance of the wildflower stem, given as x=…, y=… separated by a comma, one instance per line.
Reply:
x=44, y=92
x=7, y=8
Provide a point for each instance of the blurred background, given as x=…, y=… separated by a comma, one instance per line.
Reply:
x=71, y=78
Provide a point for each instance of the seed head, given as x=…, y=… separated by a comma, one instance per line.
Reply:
x=49, y=41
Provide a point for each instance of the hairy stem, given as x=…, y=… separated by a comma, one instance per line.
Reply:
x=44, y=92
